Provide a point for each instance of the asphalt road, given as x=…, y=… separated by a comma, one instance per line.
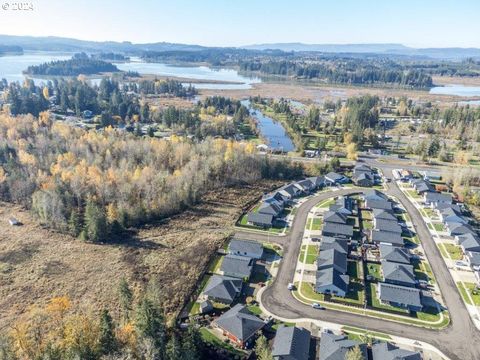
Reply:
x=459, y=341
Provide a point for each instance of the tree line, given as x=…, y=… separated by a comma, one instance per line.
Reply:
x=162, y=87
x=71, y=67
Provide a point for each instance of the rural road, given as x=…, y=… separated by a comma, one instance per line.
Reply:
x=459, y=341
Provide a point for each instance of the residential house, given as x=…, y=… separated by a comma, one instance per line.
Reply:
x=451, y=215
x=400, y=296
x=398, y=274
x=332, y=258
x=318, y=181
x=248, y=248
x=343, y=205
x=473, y=259
x=206, y=307
x=239, y=325
x=394, y=254
x=468, y=242
x=291, y=343
x=306, y=186
x=434, y=198
x=382, y=214
x=334, y=217
x=270, y=208
x=388, y=351
x=237, y=266
x=378, y=204
x=329, y=242
x=422, y=186
x=455, y=229
x=290, y=191
x=331, y=281
x=373, y=194
x=337, y=230
x=387, y=225
x=336, y=347
x=223, y=289
x=261, y=220
x=363, y=179
x=333, y=178
x=383, y=237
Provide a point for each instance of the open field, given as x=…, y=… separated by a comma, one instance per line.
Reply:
x=37, y=264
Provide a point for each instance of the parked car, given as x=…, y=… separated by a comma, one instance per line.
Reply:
x=318, y=306
x=291, y=286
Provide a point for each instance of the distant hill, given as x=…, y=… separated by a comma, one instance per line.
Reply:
x=53, y=43
x=393, y=49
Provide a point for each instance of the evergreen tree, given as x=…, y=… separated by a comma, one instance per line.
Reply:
x=150, y=323
x=75, y=222
x=174, y=348
x=107, y=341
x=126, y=298
x=262, y=350
x=354, y=354
x=192, y=344
x=95, y=222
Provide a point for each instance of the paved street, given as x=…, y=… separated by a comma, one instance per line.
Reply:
x=460, y=341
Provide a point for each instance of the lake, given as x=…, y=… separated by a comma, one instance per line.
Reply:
x=11, y=68
x=271, y=130
x=458, y=90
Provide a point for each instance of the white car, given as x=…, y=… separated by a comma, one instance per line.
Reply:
x=291, y=286
x=318, y=306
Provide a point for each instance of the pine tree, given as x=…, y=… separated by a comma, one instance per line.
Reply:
x=107, y=341
x=150, y=323
x=262, y=350
x=126, y=298
x=192, y=344
x=75, y=222
x=354, y=354
x=174, y=349
x=95, y=222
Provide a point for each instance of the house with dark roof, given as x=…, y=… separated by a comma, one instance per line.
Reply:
x=383, y=215
x=333, y=178
x=400, y=296
x=387, y=225
x=237, y=266
x=223, y=289
x=388, y=351
x=379, y=237
x=450, y=214
x=398, y=274
x=318, y=181
x=331, y=281
x=290, y=191
x=329, y=242
x=434, y=198
x=378, y=204
x=455, y=229
x=248, y=248
x=363, y=179
x=306, y=186
x=269, y=209
x=394, y=254
x=332, y=258
x=343, y=205
x=262, y=220
x=422, y=186
x=336, y=347
x=468, y=242
x=335, y=217
x=374, y=194
x=473, y=259
x=206, y=307
x=291, y=343
x=239, y=325
x=337, y=230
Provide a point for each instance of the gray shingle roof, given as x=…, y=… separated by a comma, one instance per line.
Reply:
x=291, y=189
x=388, y=225
x=337, y=229
x=394, y=272
x=394, y=254
x=378, y=204
x=474, y=258
x=373, y=194
x=469, y=242
x=333, y=243
x=246, y=246
x=384, y=214
x=400, y=294
x=423, y=186
x=332, y=258
x=223, y=288
x=239, y=322
x=291, y=342
x=336, y=347
x=269, y=208
x=387, y=237
x=331, y=276
x=333, y=176
x=460, y=229
x=437, y=197
x=240, y=266
x=388, y=351
x=261, y=219
x=334, y=217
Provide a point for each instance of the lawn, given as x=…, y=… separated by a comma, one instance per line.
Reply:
x=215, y=264
x=210, y=338
x=355, y=295
x=423, y=272
x=366, y=215
x=254, y=309
x=316, y=224
x=312, y=253
x=438, y=227
x=413, y=194
x=367, y=224
x=364, y=332
x=454, y=251
x=430, y=213
x=273, y=249
x=374, y=270
x=308, y=291
x=470, y=288
x=273, y=230
x=326, y=204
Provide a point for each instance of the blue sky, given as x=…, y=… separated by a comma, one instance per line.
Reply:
x=420, y=23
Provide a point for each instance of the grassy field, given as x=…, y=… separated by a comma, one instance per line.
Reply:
x=171, y=253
